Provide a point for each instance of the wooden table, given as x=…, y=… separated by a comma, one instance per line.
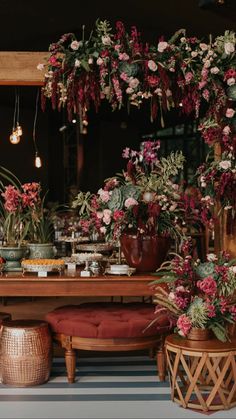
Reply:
x=16, y=285
x=202, y=373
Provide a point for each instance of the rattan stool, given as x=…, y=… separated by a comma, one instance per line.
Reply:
x=26, y=352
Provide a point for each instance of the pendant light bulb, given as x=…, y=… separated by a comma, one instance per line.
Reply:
x=14, y=138
x=19, y=130
x=37, y=161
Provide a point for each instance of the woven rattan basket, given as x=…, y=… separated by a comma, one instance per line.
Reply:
x=26, y=353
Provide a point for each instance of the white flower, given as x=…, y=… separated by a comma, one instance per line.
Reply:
x=77, y=63
x=229, y=48
x=103, y=230
x=129, y=90
x=183, y=39
x=194, y=54
x=231, y=81
x=148, y=196
x=99, y=61
x=74, y=45
x=211, y=257
x=233, y=269
x=162, y=46
x=225, y=164
x=214, y=70
x=152, y=65
x=106, y=40
x=230, y=113
x=90, y=60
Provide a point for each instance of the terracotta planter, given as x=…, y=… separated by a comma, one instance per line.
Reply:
x=145, y=253
x=199, y=334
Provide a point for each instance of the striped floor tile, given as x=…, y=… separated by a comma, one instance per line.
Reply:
x=112, y=387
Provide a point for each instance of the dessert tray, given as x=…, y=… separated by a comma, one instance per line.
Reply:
x=43, y=265
x=81, y=258
x=120, y=270
x=95, y=247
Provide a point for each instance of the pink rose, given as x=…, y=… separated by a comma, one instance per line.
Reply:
x=104, y=195
x=231, y=81
x=99, y=61
x=225, y=164
x=123, y=56
x=162, y=45
x=129, y=202
x=74, y=45
x=152, y=65
x=107, y=216
x=230, y=113
x=184, y=325
x=133, y=82
x=226, y=130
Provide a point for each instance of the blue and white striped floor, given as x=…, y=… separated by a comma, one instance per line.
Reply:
x=106, y=388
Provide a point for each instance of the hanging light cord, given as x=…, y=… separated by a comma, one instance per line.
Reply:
x=35, y=120
x=16, y=110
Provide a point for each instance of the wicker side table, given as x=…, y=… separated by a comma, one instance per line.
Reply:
x=202, y=373
x=26, y=352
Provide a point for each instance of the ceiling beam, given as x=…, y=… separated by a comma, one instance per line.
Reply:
x=20, y=68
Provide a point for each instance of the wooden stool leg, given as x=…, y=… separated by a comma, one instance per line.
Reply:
x=70, y=358
x=161, y=361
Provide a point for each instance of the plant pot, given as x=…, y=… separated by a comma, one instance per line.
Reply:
x=199, y=334
x=13, y=256
x=144, y=252
x=41, y=251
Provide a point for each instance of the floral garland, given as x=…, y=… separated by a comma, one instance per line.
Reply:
x=197, y=77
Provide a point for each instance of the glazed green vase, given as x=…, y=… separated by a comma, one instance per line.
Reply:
x=13, y=256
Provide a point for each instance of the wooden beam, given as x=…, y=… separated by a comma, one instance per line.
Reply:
x=20, y=68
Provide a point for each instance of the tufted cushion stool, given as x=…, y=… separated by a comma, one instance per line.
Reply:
x=109, y=327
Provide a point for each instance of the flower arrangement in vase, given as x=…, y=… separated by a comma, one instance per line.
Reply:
x=142, y=202
x=200, y=295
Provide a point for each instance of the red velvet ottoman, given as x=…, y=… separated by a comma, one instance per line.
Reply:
x=109, y=327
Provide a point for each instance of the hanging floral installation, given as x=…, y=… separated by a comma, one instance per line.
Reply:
x=197, y=77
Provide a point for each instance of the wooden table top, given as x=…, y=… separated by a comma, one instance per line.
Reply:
x=15, y=284
x=211, y=345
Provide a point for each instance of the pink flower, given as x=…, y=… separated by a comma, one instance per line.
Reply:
x=188, y=76
x=133, y=82
x=99, y=61
x=124, y=76
x=152, y=65
x=225, y=164
x=129, y=202
x=231, y=81
x=184, y=325
x=104, y=195
x=123, y=56
x=230, y=113
x=162, y=45
x=118, y=215
x=214, y=70
x=107, y=216
x=208, y=285
x=11, y=196
x=226, y=130
x=74, y=45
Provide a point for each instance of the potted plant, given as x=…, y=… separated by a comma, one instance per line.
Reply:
x=13, y=220
x=200, y=295
x=141, y=206
x=24, y=218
